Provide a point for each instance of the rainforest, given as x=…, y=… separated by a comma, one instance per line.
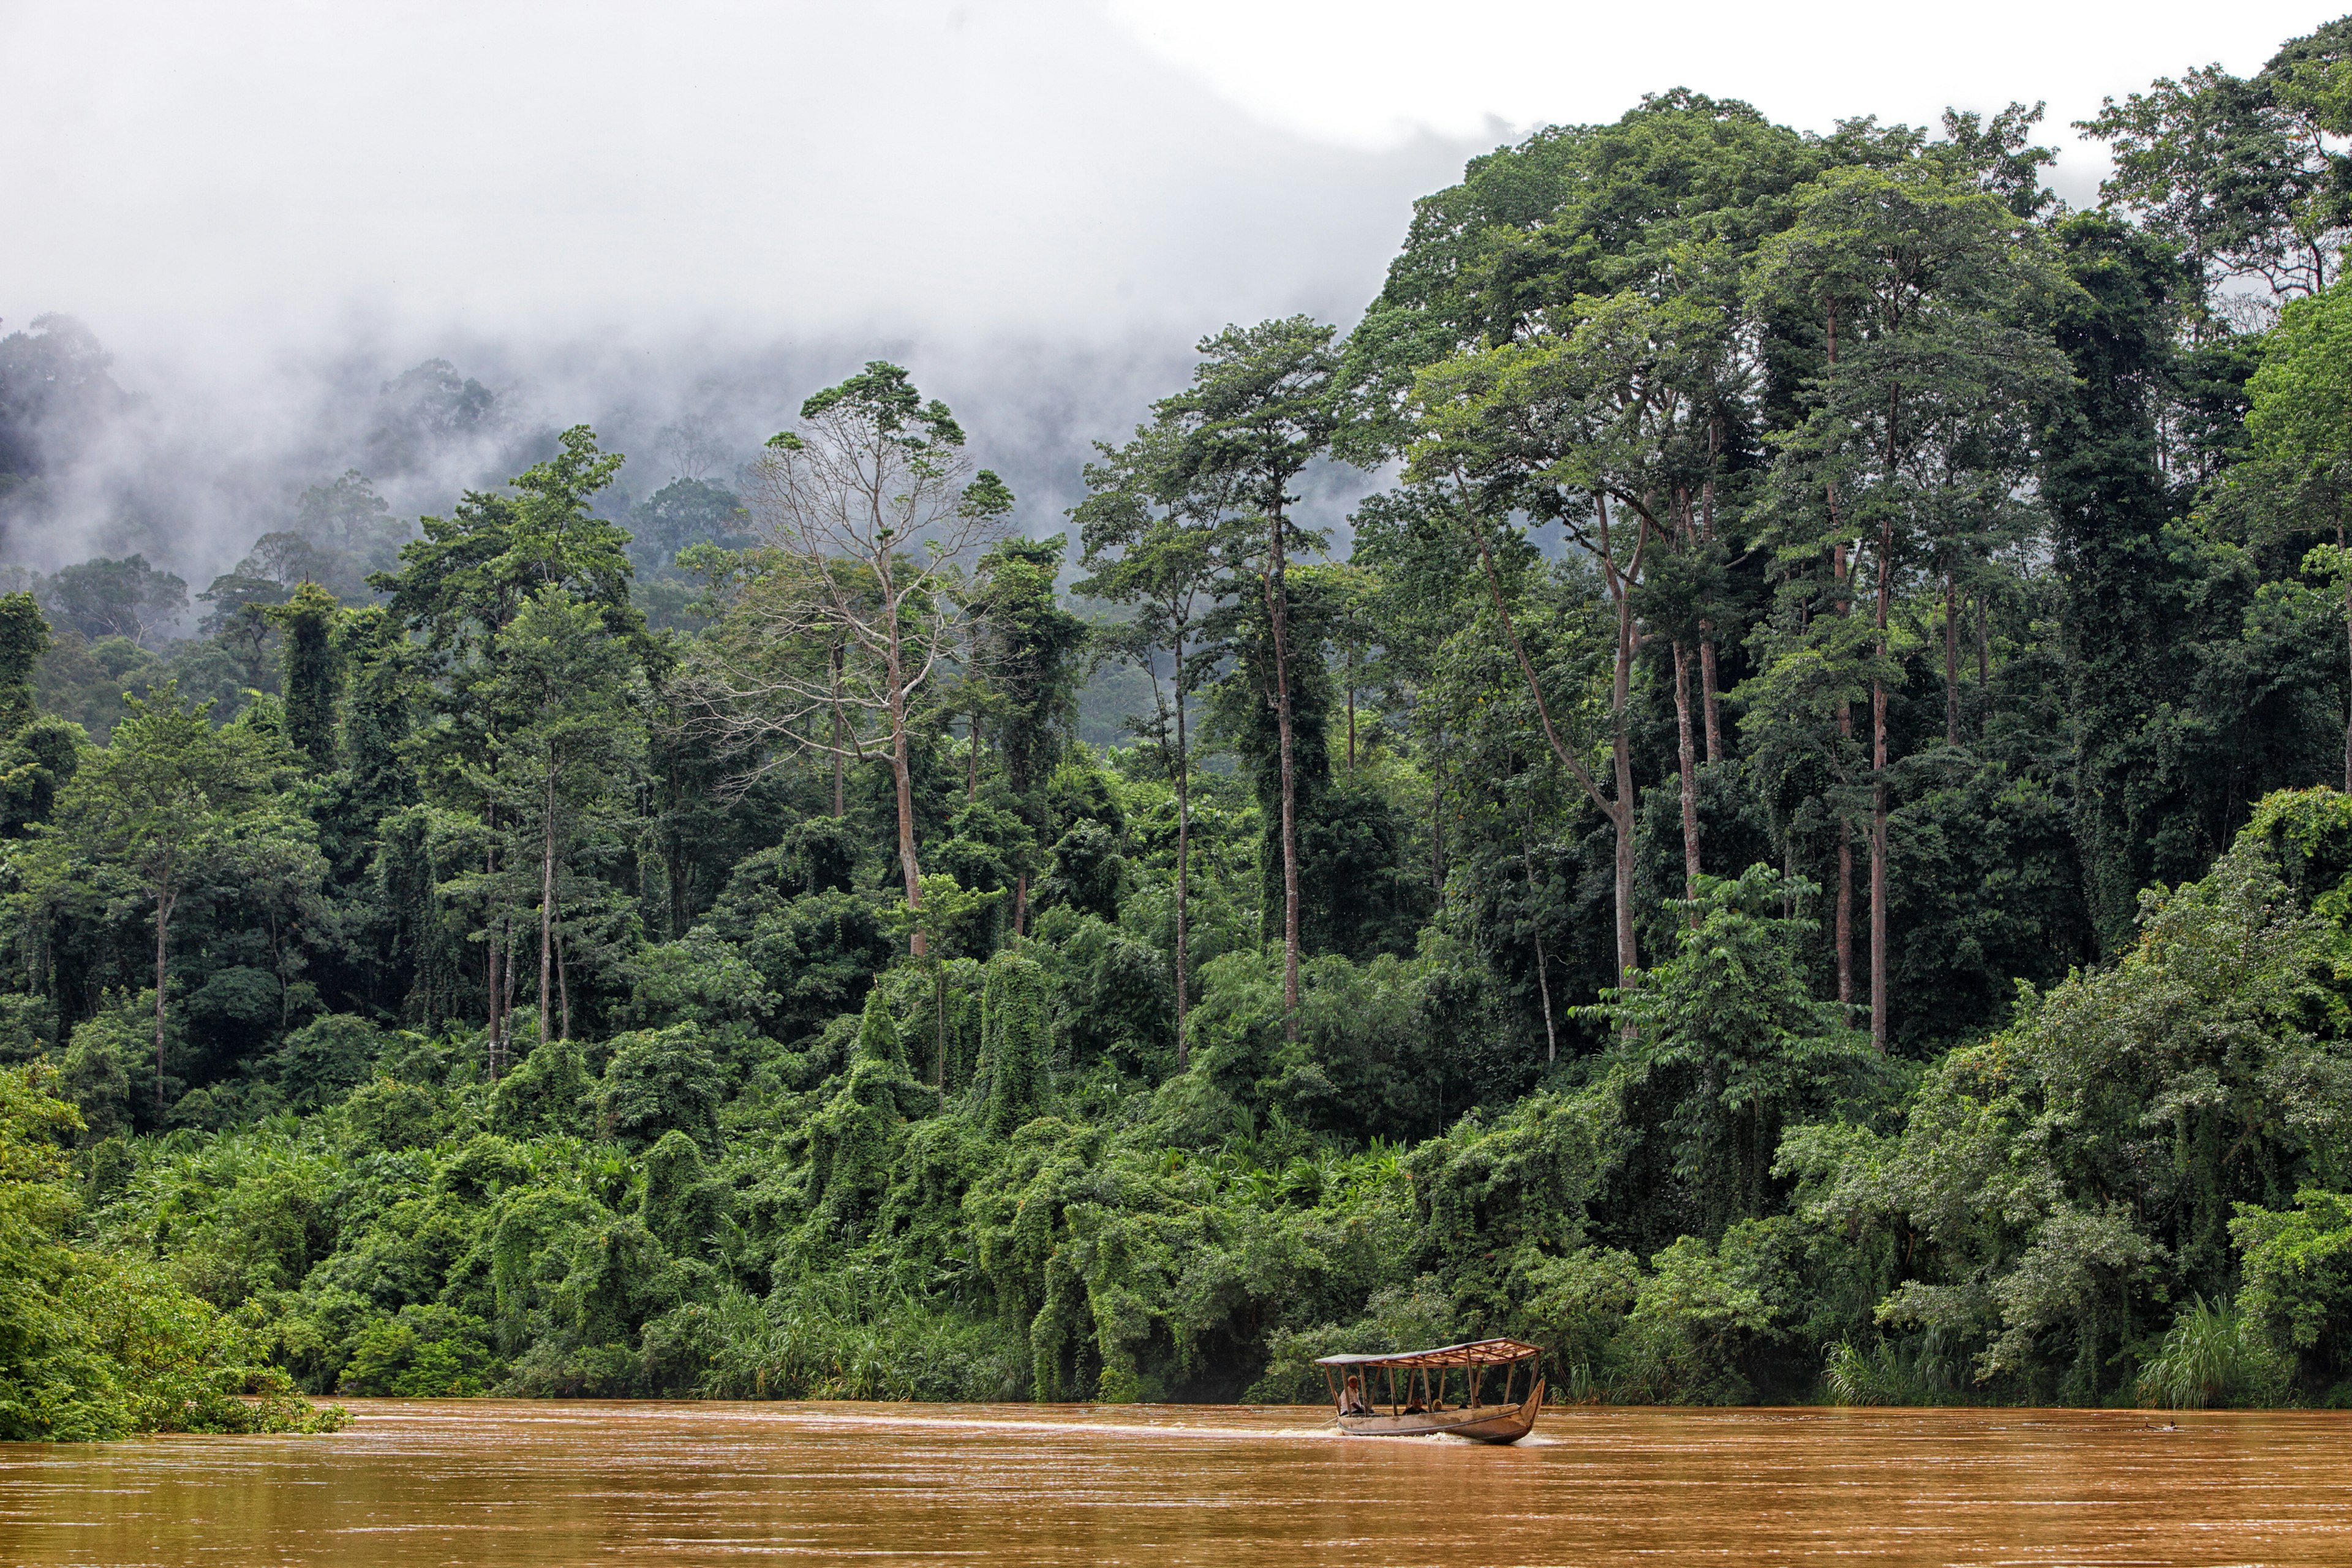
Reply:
x=1791, y=840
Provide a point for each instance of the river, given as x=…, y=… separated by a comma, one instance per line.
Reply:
x=417, y=1483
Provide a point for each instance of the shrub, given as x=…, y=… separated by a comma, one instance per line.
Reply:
x=1396, y=1318
x=325, y=1059
x=2297, y=1287
x=1016, y=1048
x=1702, y=1316
x=659, y=1080
x=551, y=1092
x=98, y=1061
x=427, y=1352
x=390, y=1115
x=682, y=1206
x=2212, y=1355
x=95, y=1347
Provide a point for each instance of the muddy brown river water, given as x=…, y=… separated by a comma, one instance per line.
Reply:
x=487, y=1482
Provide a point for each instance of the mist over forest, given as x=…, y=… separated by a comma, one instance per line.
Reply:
x=1739, y=767
x=95, y=469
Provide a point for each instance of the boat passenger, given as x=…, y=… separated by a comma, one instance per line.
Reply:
x=1351, y=1402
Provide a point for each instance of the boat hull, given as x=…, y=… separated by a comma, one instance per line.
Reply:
x=1483, y=1423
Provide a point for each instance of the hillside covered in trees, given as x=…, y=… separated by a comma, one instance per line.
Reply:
x=1797, y=844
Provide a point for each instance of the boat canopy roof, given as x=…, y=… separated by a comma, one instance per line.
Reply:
x=1478, y=1352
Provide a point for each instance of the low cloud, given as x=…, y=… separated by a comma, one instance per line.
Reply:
x=635, y=219
x=684, y=218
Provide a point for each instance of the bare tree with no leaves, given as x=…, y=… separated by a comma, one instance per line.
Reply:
x=865, y=516
x=692, y=445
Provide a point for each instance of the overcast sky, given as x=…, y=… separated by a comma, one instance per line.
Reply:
x=1040, y=203
x=1054, y=167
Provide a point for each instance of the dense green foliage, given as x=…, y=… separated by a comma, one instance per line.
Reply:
x=1794, y=855
x=98, y=1343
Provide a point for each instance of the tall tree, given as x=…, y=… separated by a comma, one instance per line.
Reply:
x=1259, y=410
x=457, y=588
x=1150, y=542
x=2246, y=175
x=2104, y=452
x=1354, y=634
x=1572, y=212
x=24, y=639
x=313, y=676
x=869, y=512
x=1933, y=290
x=344, y=531
x=168, y=801
x=1584, y=428
x=2300, y=419
x=570, y=701
x=125, y=598
x=1817, y=661
x=1024, y=647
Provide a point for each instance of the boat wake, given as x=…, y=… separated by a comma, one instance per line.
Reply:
x=1077, y=1426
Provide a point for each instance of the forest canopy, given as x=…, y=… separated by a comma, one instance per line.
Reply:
x=1801, y=848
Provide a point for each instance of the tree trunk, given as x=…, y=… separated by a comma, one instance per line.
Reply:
x=1183, y=869
x=1437, y=817
x=1845, y=919
x=1621, y=697
x=1707, y=683
x=1878, y=800
x=1687, y=755
x=1845, y=733
x=1351, y=712
x=162, y=941
x=1628, y=957
x=1878, y=917
x=546, y=905
x=1984, y=665
x=1707, y=691
x=1952, y=658
x=972, y=760
x=1278, y=607
x=839, y=809
x=673, y=869
x=1543, y=978
x=902, y=774
x=491, y=946
x=562, y=988
x=1543, y=989
x=1621, y=752
x=1619, y=811
x=490, y=981
x=1844, y=829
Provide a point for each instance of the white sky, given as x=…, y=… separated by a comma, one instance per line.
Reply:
x=1370, y=71
x=918, y=166
x=265, y=207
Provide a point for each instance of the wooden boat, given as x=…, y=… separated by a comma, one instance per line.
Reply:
x=1414, y=1394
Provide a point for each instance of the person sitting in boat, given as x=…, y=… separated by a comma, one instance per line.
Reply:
x=1351, y=1401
